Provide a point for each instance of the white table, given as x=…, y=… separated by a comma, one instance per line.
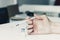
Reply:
x=12, y=31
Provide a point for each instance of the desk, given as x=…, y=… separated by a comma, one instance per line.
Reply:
x=10, y=31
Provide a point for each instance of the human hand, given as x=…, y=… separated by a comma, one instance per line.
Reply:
x=39, y=25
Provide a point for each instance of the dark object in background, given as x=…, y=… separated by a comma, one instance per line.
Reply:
x=4, y=18
x=30, y=14
x=57, y=2
x=44, y=13
x=59, y=15
x=13, y=10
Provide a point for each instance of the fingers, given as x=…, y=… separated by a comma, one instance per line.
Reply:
x=37, y=17
x=41, y=17
x=30, y=29
x=29, y=20
x=30, y=25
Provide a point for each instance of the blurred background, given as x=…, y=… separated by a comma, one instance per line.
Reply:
x=15, y=10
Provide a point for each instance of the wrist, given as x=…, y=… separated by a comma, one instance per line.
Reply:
x=55, y=27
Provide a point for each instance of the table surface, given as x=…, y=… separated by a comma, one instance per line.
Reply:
x=11, y=31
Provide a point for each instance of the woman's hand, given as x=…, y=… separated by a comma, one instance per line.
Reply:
x=39, y=25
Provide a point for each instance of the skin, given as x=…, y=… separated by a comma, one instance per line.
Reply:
x=41, y=25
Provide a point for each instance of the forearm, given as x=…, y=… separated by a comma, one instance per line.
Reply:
x=55, y=27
